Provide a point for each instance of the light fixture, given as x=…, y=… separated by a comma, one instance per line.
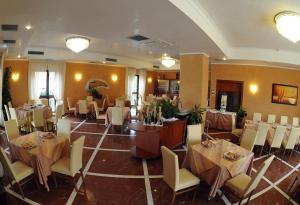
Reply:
x=224, y=58
x=114, y=78
x=167, y=60
x=19, y=56
x=78, y=76
x=149, y=80
x=77, y=43
x=253, y=88
x=288, y=25
x=28, y=27
x=15, y=76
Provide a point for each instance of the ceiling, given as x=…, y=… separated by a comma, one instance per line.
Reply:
x=239, y=30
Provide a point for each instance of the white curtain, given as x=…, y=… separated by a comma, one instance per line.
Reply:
x=130, y=85
x=1, y=81
x=142, y=83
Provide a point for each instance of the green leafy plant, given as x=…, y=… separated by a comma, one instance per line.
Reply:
x=196, y=115
x=94, y=92
x=6, y=97
x=241, y=112
x=168, y=110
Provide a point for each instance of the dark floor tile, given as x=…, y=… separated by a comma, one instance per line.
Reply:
x=91, y=140
x=118, y=142
x=112, y=162
x=269, y=198
x=286, y=184
x=94, y=128
x=112, y=191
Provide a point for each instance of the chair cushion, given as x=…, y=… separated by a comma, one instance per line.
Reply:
x=62, y=166
x=186, y=180
x=239, y=184
x=52, y=120
x=21, y=170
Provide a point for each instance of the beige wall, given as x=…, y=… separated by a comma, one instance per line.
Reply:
x=193, y=80
x=263, y=77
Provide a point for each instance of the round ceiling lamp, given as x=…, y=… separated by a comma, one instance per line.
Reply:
x=167, y=60
x=77, y=43
x=288, y=25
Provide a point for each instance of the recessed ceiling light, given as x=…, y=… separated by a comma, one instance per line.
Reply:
x=77, y=43
x=224, y=58
x=288, y=25
x=28, y=27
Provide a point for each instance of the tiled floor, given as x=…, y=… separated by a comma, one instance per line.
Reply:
x=112, y=176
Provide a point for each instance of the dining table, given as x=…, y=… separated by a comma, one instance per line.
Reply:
x=39, y=150
x=210, y=164
x=126, y=115
x=220, y=120
x=26, y=111
x=249, y=124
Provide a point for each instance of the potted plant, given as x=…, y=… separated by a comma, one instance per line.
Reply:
x=240, y=116
x=94, y=92
x=196, y=115
x=168, y=110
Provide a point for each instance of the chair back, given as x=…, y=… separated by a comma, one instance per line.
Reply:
x=69, y=103
x=117, y=116
x=103, y=104
x=291, y=142
x=295, y=121
x=260, y=173
x=120, y=103
x=248, y=139
x=83, y=107
x=7, y=112
x=283, y=120
x=44, y=101
x=38, y=117
x=261, y=134
x=9, y=104
x=256, y=117
x=96, y=110
x=89, y=98
x=194, y=134
x=63, y=128
x=278, y=136
x=31, y=102
x=59, y=111
x=7, y=166
x=13, y=113
x=12, y=130
x=170, y=167
x=271, y=118
x=76, y=155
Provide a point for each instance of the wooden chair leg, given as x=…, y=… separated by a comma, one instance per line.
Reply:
x=261, y=150
x=21, y=190
x=54, y=178
x=249, y=197
x=83, y=182
x=195, y=193
x=283, y=154
x=290, y=155
x=37, y=183
x=173, y=198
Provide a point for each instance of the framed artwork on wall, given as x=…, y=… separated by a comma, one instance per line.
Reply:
x=284, y=94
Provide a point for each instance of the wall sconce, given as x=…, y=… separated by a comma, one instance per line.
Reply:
x=114, y=78
x=149, y=80
x=78, y=76
x=15, y=76
x=253, y=88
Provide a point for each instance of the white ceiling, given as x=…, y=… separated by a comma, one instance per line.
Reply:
x=240, y=30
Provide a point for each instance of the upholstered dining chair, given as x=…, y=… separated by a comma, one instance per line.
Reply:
x=179, y=180
x=102, y=108
x=44, y=101
x=256, y=117
x=97, y=111
x=289, y=144
x=283, y=120
x=38, y=119
x=11, y=129
x=243, y=185
x=194, y=135
x=9, y=104
x=22, y=123
x=278, y=137
x=17, y=171
x=117, y=118
x=70, y=166
x=248, y=139
x=31, y=102
x=63, y=128
x=295, y=184
x=89, y=98
x=70, y=108
x=120, y=103
x=261, y=135
x=271, y=118
x=109, y=103
x=295, y=122
x=7, y=112
x=58, y=115
x=83, y=109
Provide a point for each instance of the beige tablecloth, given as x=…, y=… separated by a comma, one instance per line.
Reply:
x=210, y=165
x=219, y=120
x=249, y=124
x=126, y=115
x=26, y=112
x=42, y=156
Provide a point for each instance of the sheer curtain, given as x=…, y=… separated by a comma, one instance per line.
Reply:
x=1, y=79
x=130, y=85
x=142, y=83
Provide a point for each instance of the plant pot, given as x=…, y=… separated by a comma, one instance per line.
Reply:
x=240, y=122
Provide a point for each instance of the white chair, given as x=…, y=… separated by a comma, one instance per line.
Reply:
x=271, y=118
x=194, y=135
x=179, y=180
x=11, y=129
x=9, y=104
x=70, y=166
x=283, y=120
x=244, y=186
x=89, y=98
x=261, y=135
x=58, y=115
x=295, y=121
x=248, y=139
x=109, y=104
x=289, y=144
x=31, y=102
x=120, y=103
x=22, y=123
x=70, y=108
x=256, y=117
x=278, y=137
x=117, y=118
x=63, y=128
x=38, y=119
x=102, y=108
x=97, y=110
x=17, y=171
x=44, y=101
x=7, y=112
x=83, y=110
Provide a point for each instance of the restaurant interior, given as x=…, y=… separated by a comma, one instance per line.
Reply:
x=168, y=102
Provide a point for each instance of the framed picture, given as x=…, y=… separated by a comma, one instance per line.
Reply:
x=284, y=94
